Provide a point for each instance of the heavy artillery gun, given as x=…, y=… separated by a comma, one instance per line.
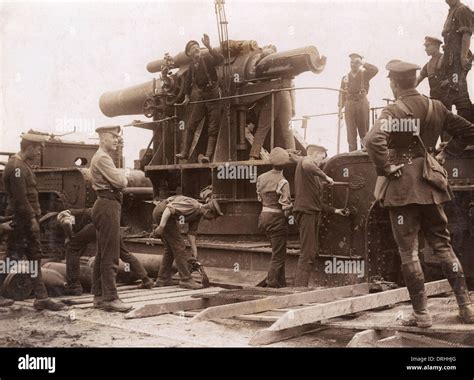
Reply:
x=364, y=237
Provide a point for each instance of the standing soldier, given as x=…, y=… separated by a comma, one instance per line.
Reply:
x=308, y=207
x=355, y=87
x=434, y=71
x=457, y=33
x=168, y=213
x=283, y=109
x=20, y=185
x=273, y=191
x=202, y=74
x=413, y=202
x=108, y=183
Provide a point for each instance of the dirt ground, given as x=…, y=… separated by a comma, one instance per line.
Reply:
x=23, y=327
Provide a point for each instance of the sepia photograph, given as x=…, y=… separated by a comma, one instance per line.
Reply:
x=237, y=174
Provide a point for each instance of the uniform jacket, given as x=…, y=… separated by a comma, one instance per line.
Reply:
x=273, y=190
x=105, y=176
x=204, y=73
x=358, y=84
x=387, y=147
x=20, y=186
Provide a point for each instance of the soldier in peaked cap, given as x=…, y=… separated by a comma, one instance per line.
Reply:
x=434, y=70
x=108, y=183
x=413, y=202
x=167, y=214
x=23, y=203
x=202, y=75
x=353, y=97
x=273, y=190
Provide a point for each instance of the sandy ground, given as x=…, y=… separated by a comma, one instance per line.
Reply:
x=24, y=327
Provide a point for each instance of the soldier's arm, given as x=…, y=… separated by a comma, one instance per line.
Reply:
x=464, y=18
x=310, y=167
x=462, y=131
x=370, y=70
x=258, y=189
x=113, y=175
x=376, y=142
x=188, y=84
x=342, y=95
x=422, y=76
x=17, y=179
x=283, y=190
x=217, y=58
x=192, y=244
x=327, y=209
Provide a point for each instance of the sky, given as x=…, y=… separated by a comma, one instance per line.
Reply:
x=57, y=58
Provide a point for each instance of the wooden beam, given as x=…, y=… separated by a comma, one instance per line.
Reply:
x=166, y=307
x=334, y=309
x=276, y=302
x=368, y=338
x=277, y=336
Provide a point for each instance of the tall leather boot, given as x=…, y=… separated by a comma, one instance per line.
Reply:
x=455, y=276
x=188, y=140
x=415, y=283
x=211, y=144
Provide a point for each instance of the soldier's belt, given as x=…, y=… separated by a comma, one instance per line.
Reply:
x=274, y=210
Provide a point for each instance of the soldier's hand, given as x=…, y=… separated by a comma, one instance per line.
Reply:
x=206, y=41
x=35, y=227
x=340, y=211
x=395, y=170
x=185, y=102
x=329, y=180
x=158, y=231
x=441, y=157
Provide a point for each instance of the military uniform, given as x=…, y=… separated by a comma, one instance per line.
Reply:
x=183, y=210
x=458, y=22
x=84, y=232
x=354, y=99
x=307, y=210
x=283, y=112
x=434, y=70
x=108, y=183
x=413, y=202
x=202, y=76
x=273, y=191
x=23, y=203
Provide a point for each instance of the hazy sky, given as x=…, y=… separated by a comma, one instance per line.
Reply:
x=57, y=58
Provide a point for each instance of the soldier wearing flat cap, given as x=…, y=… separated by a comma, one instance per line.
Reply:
x=457, y=32
x=23, y=203
x=308, y=208
x=167, y=214
x=202, y=75
x=434, y=70
x=273, y=190
x=353, y=97
x=108, y=183
x=414, y=202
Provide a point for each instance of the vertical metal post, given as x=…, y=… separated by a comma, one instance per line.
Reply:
x=175, y=125
x=338, y=134
x=272, y=123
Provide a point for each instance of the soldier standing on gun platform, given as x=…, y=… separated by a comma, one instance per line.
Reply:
x=354, y=98
x=457, y=33
x=23, y=203
x=108, y=183
x=415, y=202
x=273, y=191
x=202, y=74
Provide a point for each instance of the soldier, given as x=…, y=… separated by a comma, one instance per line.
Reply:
x=413, y=202
x=168, y=213
x=308, y=207
x=202, y=75
x=273, y=191
x=434, y=71
x=20, y=185
x=354, y=98
x=457, y=33
x=108, y=183
x=284, y=110
x=79, y=232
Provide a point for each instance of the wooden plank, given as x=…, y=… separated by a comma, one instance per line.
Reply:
x=368, y=338
x=276, y=302
x=171, y=306
x=347, y=306
x=277, y=336
x=456, y=328
x=154, y=297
